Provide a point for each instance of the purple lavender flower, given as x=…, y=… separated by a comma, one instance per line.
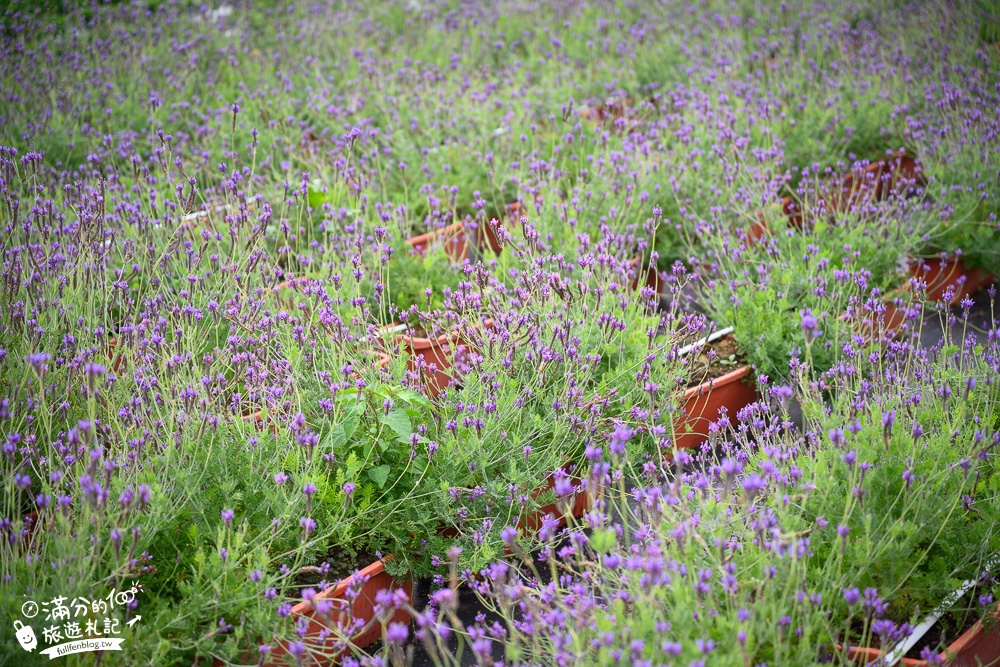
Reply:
x=397, y=632
x=619, y=437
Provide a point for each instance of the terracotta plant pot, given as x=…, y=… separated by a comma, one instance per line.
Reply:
x=440, y=352
x=454, y=238
x=952, y=272
x=581, y=503
x=876, y=182
x=342, y=614
x=701, y=405
x=487, y=234
x=114, y=354
x=644, y=276
x=979, y=645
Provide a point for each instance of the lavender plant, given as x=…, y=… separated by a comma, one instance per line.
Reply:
x=779, y=545
x=204, y=211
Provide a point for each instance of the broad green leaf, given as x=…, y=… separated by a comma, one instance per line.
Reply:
x=399, y=422
x=316, y=198
x=379, y=474
x=413, y=398
x=350, y=394
x=352, y=416
x=336, y=439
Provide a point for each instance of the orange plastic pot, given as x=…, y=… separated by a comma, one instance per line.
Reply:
x=979, y=645
x=644, y=276
x=488, y=237
x=700, y=405
x=376, y=579
x=533, y=521
x=114, y=354
x=952, y=272
x=454, y=238
x=877, y=181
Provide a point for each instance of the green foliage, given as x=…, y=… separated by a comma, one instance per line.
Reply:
x=408, y=276
x=826, y=268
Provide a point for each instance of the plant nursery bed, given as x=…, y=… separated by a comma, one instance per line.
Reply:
x=977, y=646
x=262, y=326
x=343, y=612
x=338, y=563
x=976, y=641
x=952, y=274
x=719, y=381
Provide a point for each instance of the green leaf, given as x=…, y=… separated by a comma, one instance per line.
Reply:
x=352, y=416
x=336, y=439
x=316, y=198
x=350, y=394
x=413, y=398
x=379, y=474
x=399, y=422
x=602, y=541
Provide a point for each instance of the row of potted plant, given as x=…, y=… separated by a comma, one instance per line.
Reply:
x=853, y=537
x=290, y=371
x=474, y=347
x=119, y=456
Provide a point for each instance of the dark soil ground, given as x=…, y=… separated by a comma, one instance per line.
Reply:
x=336, y=565
x=715, y=359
